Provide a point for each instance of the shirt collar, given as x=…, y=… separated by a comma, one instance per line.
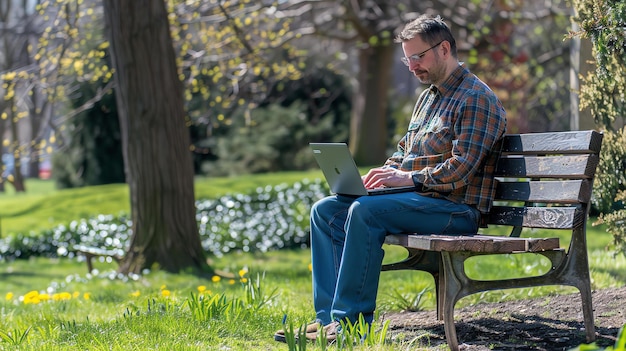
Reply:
x=454, y=80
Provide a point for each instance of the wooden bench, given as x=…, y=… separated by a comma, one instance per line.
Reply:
x=90, y=252
x=544, y=181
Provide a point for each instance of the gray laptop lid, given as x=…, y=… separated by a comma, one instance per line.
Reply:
x=341, y=172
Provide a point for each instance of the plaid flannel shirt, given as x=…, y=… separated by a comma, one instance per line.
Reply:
x=453, y=139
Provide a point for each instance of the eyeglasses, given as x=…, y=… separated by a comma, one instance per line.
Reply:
x=418, y=57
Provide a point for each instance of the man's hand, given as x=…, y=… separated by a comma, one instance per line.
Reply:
x=386, y=177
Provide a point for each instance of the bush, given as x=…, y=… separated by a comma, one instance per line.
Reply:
x=604, y=93
x=267, y=219
x=272, y=139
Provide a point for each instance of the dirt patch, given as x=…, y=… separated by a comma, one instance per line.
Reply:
x=548, y=323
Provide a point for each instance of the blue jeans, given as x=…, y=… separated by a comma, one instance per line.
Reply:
x=347, y=235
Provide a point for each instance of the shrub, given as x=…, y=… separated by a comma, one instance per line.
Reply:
x=604, y=93
x=267, y=219
x=272, y=139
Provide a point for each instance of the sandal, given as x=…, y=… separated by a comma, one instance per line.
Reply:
x=311, y=328
x=328, y=333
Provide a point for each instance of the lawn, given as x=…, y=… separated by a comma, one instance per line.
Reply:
x=54, y=304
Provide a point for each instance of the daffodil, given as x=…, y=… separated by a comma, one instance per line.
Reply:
x=243, y=272
x=31, y=297
x=62, y=296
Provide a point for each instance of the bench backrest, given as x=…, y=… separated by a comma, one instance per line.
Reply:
x=545, y=180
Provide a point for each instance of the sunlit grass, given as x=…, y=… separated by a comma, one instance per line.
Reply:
x=76, y=310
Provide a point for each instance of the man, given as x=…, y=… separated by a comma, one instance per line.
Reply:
x=446, y=153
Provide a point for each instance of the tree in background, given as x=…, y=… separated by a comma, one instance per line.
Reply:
x=17, y=28
x=155, y=138
x=93, y=153
x=604, y=94
x=233, y=55
x=515, y=45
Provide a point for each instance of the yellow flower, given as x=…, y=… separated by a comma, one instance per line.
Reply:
x=310, y=267
x=75, y=294
x=163, y=287
x=8, y=296
x=87, y=296
x=231, y=281
x=243, y=272
x=216, y=278
x=135, y=293
x=201, y=289
x=166, y=293
x=62, y=296
x=31, y=297
x=35, y=300
x=44, y=297
x=31, y=294
x=244, y=280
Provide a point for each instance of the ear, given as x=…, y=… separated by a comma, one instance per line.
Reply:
x=445, y=45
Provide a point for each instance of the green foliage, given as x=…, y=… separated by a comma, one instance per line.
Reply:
x=15, y=337
x=604, y=93
x=611, y=177
x=93, y=153
x=205, y=307
x=269, y=218
x=273, y=139
x=411, y=301
x=295, y=339
x=351, y=335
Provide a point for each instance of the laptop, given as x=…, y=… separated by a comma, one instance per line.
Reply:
x=341, y=171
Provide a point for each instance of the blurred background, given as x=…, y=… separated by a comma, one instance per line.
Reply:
x=262, y=79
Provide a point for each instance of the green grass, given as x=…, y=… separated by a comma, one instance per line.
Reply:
x=152, y=311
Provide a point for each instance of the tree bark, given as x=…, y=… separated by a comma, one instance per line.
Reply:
x=368, y=123
x=155, y=138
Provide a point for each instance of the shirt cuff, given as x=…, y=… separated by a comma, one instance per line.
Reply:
x=418, y=181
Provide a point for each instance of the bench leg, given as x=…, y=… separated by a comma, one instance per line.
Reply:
x=590, y=329
x=451, y=286
x=89, y=260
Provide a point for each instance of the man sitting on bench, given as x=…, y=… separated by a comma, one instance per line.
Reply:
x=446, y=153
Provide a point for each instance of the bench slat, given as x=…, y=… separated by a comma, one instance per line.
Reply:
x=538, y=217
x=553, y=143
x=473, y=243
x=566, y=192
x=565, y=167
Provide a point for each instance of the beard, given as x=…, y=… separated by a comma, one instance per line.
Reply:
x=435, y=75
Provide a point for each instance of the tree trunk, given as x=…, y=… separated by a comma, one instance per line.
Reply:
x=155, y=138
x=368, y=123
x=18, y=178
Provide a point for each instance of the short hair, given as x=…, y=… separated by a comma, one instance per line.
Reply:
x=431, y=29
